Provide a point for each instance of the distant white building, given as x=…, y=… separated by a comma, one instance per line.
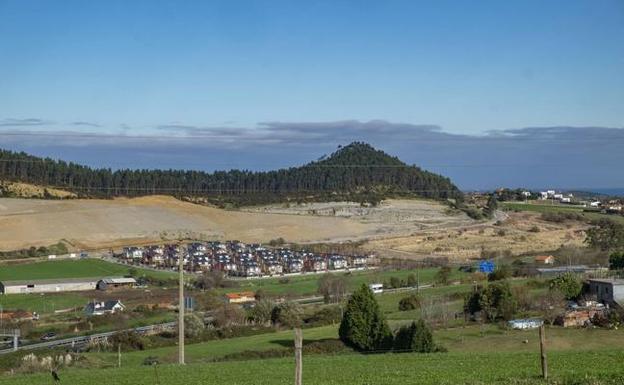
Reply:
x=133, y=253
x=94, y=308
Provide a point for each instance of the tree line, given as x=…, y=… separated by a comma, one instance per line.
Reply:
x=357, y=169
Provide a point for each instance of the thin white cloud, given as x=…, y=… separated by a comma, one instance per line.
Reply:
x=10, y=122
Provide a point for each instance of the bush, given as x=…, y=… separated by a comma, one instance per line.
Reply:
x=193, y=325
x=495, y=301
x=363, y=325
x=560, y=217
x=616, y=261
x=534, y=229
x=568, y=284
x=262, y=312
x=277, y=242
x=327, y=315
x=606, y=234
x=228, y=315
x=501, y=272
x=129, y=341
x=150, y=360
x=288, y=314
x=395, y=283
x=412, y=280
x=443, y=275
x=415, y=338
x=411, y=302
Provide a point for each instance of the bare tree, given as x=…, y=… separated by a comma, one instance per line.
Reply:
x=332, y=287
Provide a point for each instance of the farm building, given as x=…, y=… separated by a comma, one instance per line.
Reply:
x=243, y=297
x=115, y=283
x=608, y=291
x=48, y=285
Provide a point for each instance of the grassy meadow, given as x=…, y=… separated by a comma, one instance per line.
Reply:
x=70, y=268
x=307, y=284
x=557, y=207
x=589, y=367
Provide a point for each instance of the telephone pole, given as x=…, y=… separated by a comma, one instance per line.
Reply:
x=181, y=312
x=543, y=358
x=298, y=362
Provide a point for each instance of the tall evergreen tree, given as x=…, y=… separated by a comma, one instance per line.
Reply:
x=363, y=325
x=415, y=338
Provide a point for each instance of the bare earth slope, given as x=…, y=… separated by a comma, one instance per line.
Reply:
x=108, y=223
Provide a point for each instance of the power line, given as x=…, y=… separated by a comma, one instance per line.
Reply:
x=330, y=166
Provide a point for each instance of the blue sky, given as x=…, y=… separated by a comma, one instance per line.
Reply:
x=261, y=84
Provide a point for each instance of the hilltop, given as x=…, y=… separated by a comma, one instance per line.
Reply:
x=356, y=172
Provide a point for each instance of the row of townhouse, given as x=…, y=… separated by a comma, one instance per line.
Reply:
x=239, y=259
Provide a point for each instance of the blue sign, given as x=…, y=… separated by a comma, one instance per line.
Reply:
x=189, y=303
x=486, y=267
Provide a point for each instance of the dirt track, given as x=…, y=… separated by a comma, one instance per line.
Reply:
x=109, y=223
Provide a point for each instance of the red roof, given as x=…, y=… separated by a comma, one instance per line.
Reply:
x=244, y=294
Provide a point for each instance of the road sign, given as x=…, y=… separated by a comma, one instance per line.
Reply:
x=486, y=267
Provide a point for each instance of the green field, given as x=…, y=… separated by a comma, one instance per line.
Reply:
x=546, y=207
x=588, y=367
x=42, y=304
x=82, y=268
x=307, y=284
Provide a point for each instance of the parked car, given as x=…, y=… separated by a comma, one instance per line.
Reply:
x=48, y=336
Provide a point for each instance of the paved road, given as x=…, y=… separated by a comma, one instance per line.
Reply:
x=82, y=340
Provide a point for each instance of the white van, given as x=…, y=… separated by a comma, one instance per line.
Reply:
x=376, y=288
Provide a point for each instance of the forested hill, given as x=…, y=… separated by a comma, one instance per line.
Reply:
x=354, y=171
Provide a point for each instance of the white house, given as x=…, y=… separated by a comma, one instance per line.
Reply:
x=95, y=308
x=133, y=253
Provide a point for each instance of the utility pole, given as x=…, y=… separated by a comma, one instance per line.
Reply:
x=543, y=358
x=181, y=312
x=418, y=278
x=119, y=355
x=298, y=348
